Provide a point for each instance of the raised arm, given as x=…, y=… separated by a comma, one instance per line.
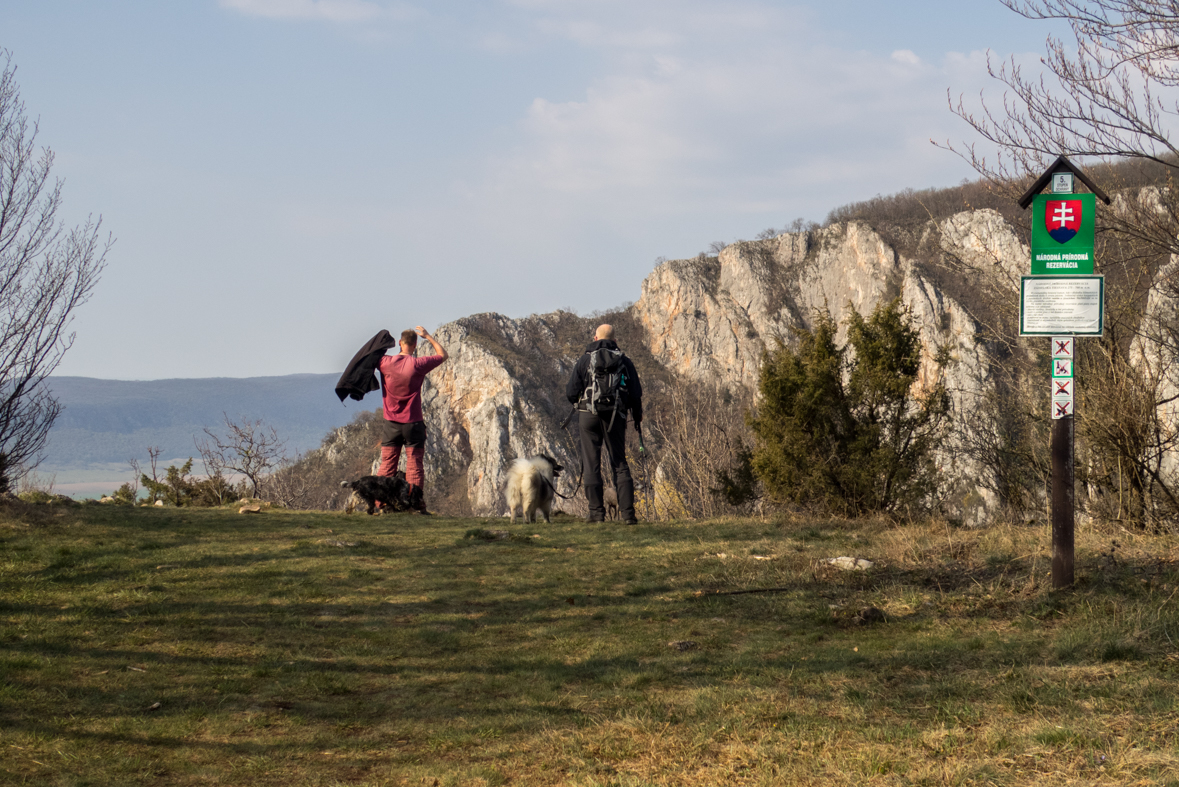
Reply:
x=438, y=348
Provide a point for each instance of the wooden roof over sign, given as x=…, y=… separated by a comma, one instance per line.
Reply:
x=1061, y=164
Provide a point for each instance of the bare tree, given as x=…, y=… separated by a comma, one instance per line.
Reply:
x=1110, y=94
x=46, y=272
x=216, y=487
x=1110, y=97
x=1104, y=97
x=153, y=458
x=248, y=448
x=134, y=463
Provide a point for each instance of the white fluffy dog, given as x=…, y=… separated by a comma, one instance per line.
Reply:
x=531, y=486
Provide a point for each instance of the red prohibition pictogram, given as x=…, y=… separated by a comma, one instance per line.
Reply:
x=1063, y=347
x=1061, y=409
x=1063, y=388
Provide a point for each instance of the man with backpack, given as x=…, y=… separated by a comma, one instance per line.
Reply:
x=604, y=387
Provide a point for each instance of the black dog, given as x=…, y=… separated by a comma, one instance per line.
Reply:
x=393, y=492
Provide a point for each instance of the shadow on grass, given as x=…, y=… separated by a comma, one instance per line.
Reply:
x=431, y=628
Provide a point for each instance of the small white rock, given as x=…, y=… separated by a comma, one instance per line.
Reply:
x=850, y=563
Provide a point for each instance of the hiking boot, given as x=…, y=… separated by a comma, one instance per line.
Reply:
x=631, y=521
x=423, y=510
x=594, y=520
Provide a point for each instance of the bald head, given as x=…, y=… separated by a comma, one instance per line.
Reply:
x=604, y=332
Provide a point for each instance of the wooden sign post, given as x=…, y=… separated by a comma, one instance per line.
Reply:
x=1062, y=299
x=1063, y=464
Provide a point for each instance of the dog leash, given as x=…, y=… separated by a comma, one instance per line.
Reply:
x=549, y=484
x=580, y=466
x=609, y=454
x=568, y=418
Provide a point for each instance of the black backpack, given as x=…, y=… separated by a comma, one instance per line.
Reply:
x=606, y=389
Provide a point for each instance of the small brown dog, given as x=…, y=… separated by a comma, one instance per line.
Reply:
x=610, y=500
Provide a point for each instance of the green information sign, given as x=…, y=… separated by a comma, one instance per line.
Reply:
x=1062, y=234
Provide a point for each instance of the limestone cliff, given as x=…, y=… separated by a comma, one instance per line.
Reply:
x=501, y=395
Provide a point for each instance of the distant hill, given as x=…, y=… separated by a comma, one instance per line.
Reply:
x=105, y=423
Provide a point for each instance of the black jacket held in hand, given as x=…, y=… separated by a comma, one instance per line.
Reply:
x=360, y=376
x=581, y=378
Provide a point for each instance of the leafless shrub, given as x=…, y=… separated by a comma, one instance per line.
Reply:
x=693, y=432
x=312, y=480
x=912, y=206
x=153, y=457
x=35, y=482
x=133, y=484
x=798, y=225
x=302, y=484
x=248, y=448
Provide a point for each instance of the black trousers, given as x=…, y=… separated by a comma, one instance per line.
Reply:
x=412, y=434
x=593, y=433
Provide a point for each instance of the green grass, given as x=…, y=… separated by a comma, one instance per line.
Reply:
x=203, y=647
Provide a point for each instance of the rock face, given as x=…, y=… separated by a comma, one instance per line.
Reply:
x=501, y=395
x=1151, y=354
x=713, y=318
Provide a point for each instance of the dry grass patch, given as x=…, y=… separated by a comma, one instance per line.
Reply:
x=176, y=647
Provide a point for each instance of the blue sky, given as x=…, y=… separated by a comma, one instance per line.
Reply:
x=286, y=177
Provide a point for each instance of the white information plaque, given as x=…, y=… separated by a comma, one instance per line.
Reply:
x=1051, y=305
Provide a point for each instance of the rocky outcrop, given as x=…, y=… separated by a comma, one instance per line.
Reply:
x=714, y=318
x=501, y=395
x=1160, y=368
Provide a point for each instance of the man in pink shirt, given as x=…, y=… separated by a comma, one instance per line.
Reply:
x=401, y=377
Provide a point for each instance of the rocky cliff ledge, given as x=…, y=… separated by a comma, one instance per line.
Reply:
x=711, y=318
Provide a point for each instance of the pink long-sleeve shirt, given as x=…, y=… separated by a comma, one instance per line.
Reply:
x=403, y=376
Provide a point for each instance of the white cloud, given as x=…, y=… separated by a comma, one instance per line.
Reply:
x=716, y=127
x=320, y=10
x=906, y=56
x=592, y=33
x=717, y=121
x=521, y=155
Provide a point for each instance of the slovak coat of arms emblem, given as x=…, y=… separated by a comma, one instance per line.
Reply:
x=1062, y=219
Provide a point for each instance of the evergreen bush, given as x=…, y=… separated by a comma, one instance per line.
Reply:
x=851, y=430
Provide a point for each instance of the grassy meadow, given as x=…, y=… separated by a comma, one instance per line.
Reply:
x=205, y=647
